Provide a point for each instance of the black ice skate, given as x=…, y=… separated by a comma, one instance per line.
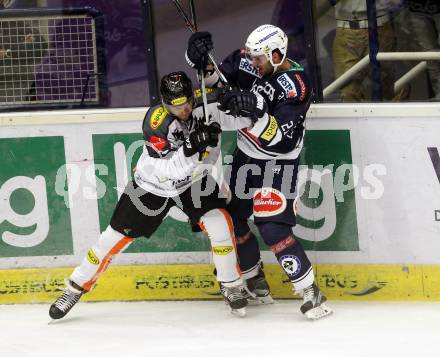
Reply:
x=234, y=298
x=71, y=295
x=314, y=306
x=257, y=290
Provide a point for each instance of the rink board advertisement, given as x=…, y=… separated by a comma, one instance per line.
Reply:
x=196, y=281
x=369, y=214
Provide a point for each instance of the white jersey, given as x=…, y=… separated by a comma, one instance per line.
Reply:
x=163, y=169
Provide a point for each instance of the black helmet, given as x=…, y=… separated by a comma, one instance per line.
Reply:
x=176, y=88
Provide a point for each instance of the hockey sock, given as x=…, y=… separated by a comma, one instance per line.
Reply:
x=248, y=254
x=289, y=252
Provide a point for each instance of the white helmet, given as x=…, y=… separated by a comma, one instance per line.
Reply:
x=264, y=40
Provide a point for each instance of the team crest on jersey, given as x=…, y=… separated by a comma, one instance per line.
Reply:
x=287, y=84
x=268, y=202
x=246, y=66
x=157, y=117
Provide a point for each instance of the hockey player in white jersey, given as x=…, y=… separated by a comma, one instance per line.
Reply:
x=173, y=170
x=272, y=143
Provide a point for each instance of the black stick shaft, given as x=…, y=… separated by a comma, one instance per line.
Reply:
x=193, y=29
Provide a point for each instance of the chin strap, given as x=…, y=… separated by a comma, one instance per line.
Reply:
x=275, y=66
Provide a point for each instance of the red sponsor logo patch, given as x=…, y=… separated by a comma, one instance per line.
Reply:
x=158, y=143
x=291, y=94
x=268, y=202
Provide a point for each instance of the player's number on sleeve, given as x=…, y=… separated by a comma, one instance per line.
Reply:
x=288, y=129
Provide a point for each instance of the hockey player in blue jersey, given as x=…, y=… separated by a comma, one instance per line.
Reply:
x=272, y=144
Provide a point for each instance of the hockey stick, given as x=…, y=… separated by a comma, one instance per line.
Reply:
x=200, y=73
x=193, y=29
x=193, y=13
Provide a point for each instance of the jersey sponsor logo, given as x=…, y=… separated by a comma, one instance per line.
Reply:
x=157, y=117
x=248, y=144
x=180, y=182
x=291, y=265
x=260, y=102
x=158, y=143
x=268, y=202
x=247, y=67
x=222, y=250
x=271, y=129
x=198, y=92
x=92, y=258
x=302, y=87
x=265, y=88
x=287, y=84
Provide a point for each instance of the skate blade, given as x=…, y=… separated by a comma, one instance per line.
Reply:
x=318, y=312
x=238, y=312
x=261, y=300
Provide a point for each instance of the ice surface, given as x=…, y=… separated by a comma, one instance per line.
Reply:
x=206, y=328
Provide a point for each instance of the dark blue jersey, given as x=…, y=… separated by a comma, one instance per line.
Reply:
x=288, y=96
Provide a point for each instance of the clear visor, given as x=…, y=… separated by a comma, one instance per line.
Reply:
x=254, y=56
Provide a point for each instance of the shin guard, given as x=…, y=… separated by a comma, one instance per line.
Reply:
x=217, y=224
x=99, y=258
